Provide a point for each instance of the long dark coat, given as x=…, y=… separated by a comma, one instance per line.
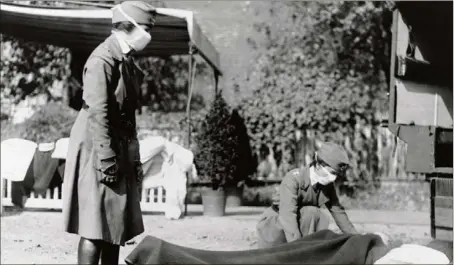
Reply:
x=104, y=129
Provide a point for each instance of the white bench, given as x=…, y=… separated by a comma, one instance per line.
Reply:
x=152, y=200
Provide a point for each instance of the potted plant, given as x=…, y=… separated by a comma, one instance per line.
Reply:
x=216, y=156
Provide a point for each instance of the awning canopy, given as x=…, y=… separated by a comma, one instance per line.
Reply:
x=85, y=28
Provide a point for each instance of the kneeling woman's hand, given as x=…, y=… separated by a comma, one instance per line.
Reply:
x=383, y=236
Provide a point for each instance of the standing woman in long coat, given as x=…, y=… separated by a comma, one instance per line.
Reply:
x=103, y=173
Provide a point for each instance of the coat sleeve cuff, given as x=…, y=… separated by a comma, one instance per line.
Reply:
x=106, y=160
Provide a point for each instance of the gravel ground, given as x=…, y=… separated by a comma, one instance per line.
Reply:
x=37, y=237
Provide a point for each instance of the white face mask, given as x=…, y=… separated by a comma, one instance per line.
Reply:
x=324, y=177
x=138, y=38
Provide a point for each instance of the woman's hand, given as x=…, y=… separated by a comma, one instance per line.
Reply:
x=384, y=237
x=110, y=174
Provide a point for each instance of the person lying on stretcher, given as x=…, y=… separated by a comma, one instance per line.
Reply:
x=296, y=210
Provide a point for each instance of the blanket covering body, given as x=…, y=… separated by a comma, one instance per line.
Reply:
x=323, y=247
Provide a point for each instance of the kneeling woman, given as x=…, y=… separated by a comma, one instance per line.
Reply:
x=296, y=210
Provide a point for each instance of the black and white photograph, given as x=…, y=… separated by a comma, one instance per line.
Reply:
x=226, y=132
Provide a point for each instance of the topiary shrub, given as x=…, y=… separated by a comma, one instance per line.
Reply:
x=216, y=155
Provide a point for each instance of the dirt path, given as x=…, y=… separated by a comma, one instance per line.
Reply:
x=36, y=237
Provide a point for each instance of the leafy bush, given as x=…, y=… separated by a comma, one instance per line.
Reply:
x=323, y=69
x=30, y=68
x=216, y=154
x=50, y=123
x=166, y=81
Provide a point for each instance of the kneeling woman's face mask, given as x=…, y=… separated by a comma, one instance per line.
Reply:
x=325, y=174
x=138, y=38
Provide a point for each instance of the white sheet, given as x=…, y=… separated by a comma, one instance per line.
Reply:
x=166, y=164
x=61, y=148
x=16, y=157
x=413, y=254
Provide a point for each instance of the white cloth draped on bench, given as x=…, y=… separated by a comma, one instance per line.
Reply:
x=16, y=157
x=165, y=164
x=413, y=254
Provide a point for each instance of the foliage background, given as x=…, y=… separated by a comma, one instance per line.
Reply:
x=322, y=75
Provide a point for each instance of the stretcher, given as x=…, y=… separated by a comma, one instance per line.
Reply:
x=322, y=247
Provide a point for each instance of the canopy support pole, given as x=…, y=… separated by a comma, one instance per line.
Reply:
x=188, y=115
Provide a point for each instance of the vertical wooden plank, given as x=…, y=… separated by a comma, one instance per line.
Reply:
x=443, y=187
x=3, y=188
x=441, y=208
x=164, y=195
x=432, y=209
x=55, y=194
x=47, y=195
x=143, y=196
x=152, y=195
x=159, y=197
x=443, y=217
x=1, y=194
x=443, y=234
x=9, y=185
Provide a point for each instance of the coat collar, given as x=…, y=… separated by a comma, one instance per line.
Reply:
x=114, y=48
x=124, y=46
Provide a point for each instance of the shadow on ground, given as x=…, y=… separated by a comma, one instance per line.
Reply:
x=11, y=211
x=236, y=213
x=443, y=246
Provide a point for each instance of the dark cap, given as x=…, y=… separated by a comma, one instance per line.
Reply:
x=334, y=155
x=141, y=11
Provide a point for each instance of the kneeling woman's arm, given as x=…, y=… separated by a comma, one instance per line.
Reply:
x=338, y=212
x=288, y=193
